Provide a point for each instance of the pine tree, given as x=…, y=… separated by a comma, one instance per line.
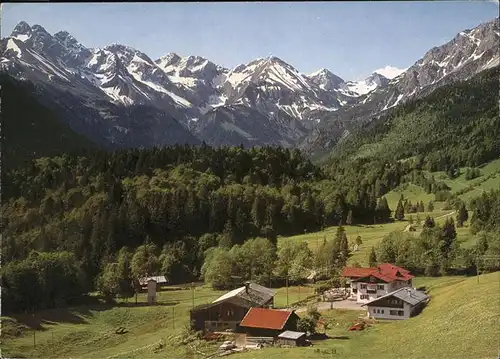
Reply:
x=462, y=215
x=400, y=212
x=344, y=250
x=449, y=236
x=429, y=222
x=372, y=258
x=382, y=210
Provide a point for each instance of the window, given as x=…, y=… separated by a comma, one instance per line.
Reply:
x=382, y=311
x=401, y=313
x=380, y=286
x=354, y=290
x=393, y=312
x=363, y=286
x=364, y=296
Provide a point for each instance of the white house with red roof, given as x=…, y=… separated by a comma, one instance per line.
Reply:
x=367, y=284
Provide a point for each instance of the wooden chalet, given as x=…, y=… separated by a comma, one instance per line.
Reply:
x=227, y=311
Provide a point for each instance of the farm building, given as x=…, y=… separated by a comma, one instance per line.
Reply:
x=291, y=338
x=227, y=311
x=366, y=284
x=400, y=304
x=160, y=280
x=263, y=322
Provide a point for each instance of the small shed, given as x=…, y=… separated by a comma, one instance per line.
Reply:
x=291, y=338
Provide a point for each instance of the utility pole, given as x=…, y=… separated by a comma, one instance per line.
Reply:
x=477, y=267
x=287, y=290
x=173, y=317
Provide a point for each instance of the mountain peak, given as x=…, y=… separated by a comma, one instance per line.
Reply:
x=22, y=28
x=66, y=38
x=39, y=29
x=320, y=72
x=169, y=59
x=326, y=79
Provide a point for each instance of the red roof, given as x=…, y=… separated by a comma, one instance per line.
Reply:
x=265, y=318
x=386, y=272
x=357, y=272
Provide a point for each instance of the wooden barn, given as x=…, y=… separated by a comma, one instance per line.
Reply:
x=263, y=322
x=227, y=311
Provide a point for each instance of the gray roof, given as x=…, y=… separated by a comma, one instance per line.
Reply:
x=406, y=294
x=256, y=294
x=160, y=279
x=290, y=334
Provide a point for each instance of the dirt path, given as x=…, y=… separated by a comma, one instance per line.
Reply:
x=446, y=215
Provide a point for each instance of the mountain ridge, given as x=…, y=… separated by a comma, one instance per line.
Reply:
x=264, y=102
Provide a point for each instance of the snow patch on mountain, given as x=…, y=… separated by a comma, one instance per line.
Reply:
x=11, y=45
x=390, y=72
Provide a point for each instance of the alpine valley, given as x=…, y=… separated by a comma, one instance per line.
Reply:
x=118, y=96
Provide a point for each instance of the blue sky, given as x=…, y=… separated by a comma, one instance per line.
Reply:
x=351, y=39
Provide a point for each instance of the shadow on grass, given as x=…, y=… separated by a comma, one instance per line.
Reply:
x=321, y=336
x=132, y=304
x=340, y=337
x=74, y=315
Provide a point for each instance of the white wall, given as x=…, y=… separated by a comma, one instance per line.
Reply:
x=372, y=310
x=388, y=288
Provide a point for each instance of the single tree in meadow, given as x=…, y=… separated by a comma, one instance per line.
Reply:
x=462, y=215
x=400, y=212
x=372, y=258
x=429, y=222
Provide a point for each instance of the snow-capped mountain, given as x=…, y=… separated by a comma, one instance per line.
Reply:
x=110, y=93
x=191, y=89
x=468, y=53
x=359, y=88
x=328, y=81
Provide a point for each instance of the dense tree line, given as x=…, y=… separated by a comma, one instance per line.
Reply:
x=182, y=200
x=41, y=280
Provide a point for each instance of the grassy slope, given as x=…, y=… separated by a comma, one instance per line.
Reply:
x=88, y=331
x=460, y=322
